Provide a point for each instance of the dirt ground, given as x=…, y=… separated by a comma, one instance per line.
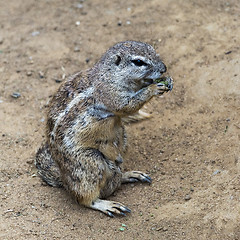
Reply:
x=190, y=146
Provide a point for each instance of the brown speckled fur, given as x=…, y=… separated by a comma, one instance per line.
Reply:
x=86, y=139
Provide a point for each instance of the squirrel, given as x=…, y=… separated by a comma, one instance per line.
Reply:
x=86, y=139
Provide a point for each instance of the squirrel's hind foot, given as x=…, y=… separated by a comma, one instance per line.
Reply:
x=135, y=176
x=136, y=117
x=109, y=207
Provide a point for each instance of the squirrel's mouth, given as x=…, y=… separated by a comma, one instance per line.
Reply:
x=163, y=81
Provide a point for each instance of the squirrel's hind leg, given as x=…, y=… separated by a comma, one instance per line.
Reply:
x=91, y=176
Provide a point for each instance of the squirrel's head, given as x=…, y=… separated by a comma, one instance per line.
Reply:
x=131, y=63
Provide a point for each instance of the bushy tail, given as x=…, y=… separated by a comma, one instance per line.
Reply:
x=47, y=168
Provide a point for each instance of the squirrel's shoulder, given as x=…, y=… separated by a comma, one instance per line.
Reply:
x=74, y=86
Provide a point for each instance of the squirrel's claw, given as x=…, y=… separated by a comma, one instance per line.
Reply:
x=110, y=214
x=146, y=178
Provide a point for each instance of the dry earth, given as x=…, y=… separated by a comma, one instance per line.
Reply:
x=190, y=147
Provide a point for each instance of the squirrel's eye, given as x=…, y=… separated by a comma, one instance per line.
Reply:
x=118, y=60
x=139, y=62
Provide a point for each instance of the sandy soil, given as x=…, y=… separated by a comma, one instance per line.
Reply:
x=190, y=147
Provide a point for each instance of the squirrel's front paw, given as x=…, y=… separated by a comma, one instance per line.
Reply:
x=135, y=176
x=162, y=85
x=110, y=207
x=165, y=82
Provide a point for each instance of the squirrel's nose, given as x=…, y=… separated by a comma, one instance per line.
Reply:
x=163, y=68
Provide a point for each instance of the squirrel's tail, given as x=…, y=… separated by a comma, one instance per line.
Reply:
x=138, y=116
x=47, y=167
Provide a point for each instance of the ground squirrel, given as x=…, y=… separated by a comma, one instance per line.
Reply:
x=86, y=139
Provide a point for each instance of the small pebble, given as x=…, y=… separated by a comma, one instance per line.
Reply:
x=29, y=73
x=57, y=80
x=165, y=229
x=30, y=161
x=187, y=197
x=35, y=33
x=228, y=52
x=79, y=5
x=1, y=40
x=30, y=62
x=119, y=23
x=16, y=95
x=216, y=172
x=76, y=49
x=77, y=23
x=128, y=22
x=41, y=74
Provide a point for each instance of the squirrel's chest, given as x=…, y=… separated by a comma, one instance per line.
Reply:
x=107, y=131
x=111, y=141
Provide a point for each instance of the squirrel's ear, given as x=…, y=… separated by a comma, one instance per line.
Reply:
x=117, y=60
